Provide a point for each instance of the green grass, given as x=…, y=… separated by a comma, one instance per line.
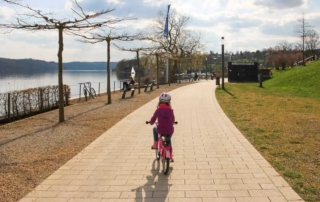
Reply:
x=301, y=81
x=292, y=175
x=281, y=120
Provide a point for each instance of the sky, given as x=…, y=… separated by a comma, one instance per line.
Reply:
x=246, y=25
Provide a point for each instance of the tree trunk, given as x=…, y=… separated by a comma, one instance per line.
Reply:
x=168, y=73
x=60, y=81
x=108, y=72
x=157, y=57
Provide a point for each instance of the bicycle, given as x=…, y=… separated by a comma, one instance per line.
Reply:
x=88, y=90
x=164, y=150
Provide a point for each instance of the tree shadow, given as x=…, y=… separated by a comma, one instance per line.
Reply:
x=225, y=90
x=156, y=187
x=7, y=141
x=83, y=113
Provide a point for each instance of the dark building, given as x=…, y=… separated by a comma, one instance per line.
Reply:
x=243, y=72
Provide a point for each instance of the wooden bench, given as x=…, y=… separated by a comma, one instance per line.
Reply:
x=187, y=78
x=149, y=85
x=132, y=88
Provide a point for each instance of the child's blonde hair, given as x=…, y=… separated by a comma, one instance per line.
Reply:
x=167, y=103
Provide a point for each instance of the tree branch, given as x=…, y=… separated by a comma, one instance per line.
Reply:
x=72, y=25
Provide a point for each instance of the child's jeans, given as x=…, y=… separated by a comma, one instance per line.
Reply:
x=155, y=136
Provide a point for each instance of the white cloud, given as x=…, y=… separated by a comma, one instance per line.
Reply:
x=247, y=25
x=115, y=2
x=68, y=4
x=282, y=4
x=6, y=12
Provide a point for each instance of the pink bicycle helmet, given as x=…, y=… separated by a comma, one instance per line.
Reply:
x=165, y=97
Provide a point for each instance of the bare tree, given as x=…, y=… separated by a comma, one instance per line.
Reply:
x=180, y=42
x=312, y=42
x=36, y=20
x=284, y=46
x=283, y=55
x=108, y=37
x=301, y=30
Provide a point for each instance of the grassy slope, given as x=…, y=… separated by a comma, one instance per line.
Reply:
x=282, y=121
x=302, y=81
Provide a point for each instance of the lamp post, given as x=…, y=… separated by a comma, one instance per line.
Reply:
x=138, y=71
x=206, y=68
x=179, y=71
x=222, y=55
x=157, y=58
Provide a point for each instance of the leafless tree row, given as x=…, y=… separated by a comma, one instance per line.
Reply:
x=92, y=28
x=18, y=104
x=37, y=20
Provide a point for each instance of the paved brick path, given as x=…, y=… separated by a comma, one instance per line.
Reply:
x=213, y=161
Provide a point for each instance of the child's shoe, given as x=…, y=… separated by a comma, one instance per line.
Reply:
x=171, y=158
x=155, y=145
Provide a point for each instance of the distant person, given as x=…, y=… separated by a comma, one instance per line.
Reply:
x=196, y=76
x=126, y=84
x=213, y=75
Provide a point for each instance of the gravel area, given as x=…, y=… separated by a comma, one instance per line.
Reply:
x=32, y=149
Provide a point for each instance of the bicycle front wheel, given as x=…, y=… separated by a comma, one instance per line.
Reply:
x=93, y=93
x=165, y=165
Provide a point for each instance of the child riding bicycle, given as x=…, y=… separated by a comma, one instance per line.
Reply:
x=165, y=116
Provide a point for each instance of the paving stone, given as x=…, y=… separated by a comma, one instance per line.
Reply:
x=214, y=162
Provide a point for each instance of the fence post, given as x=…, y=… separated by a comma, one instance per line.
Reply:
x=41, y=99
x=66, y=95
x=9, y=107
x=114, y=86
x=99, y=89
x=260, y=80
x=80, y=91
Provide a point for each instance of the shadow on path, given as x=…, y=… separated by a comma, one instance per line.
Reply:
x=156, y=188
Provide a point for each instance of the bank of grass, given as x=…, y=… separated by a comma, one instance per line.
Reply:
x=282, y=121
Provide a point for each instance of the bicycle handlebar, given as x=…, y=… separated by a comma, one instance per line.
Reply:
x=175, y=123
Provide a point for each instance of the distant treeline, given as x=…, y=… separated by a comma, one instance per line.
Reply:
x=124, y=67
x=32, y=66
x=88, y=65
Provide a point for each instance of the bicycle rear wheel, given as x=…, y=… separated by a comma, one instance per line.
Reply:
x=165, y=165
x=85, y=92
x=157, y=154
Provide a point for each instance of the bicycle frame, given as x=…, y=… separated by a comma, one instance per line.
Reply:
x=164, y=151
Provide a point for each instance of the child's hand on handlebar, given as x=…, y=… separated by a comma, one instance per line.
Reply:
x=176, y=122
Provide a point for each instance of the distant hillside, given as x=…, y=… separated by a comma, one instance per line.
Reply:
x=25, y=66
x=32, y=66
x=88, y=65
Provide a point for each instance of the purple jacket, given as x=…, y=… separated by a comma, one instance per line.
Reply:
x=165, y=116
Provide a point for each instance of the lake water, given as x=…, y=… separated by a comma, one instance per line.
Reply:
x=71, y=78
